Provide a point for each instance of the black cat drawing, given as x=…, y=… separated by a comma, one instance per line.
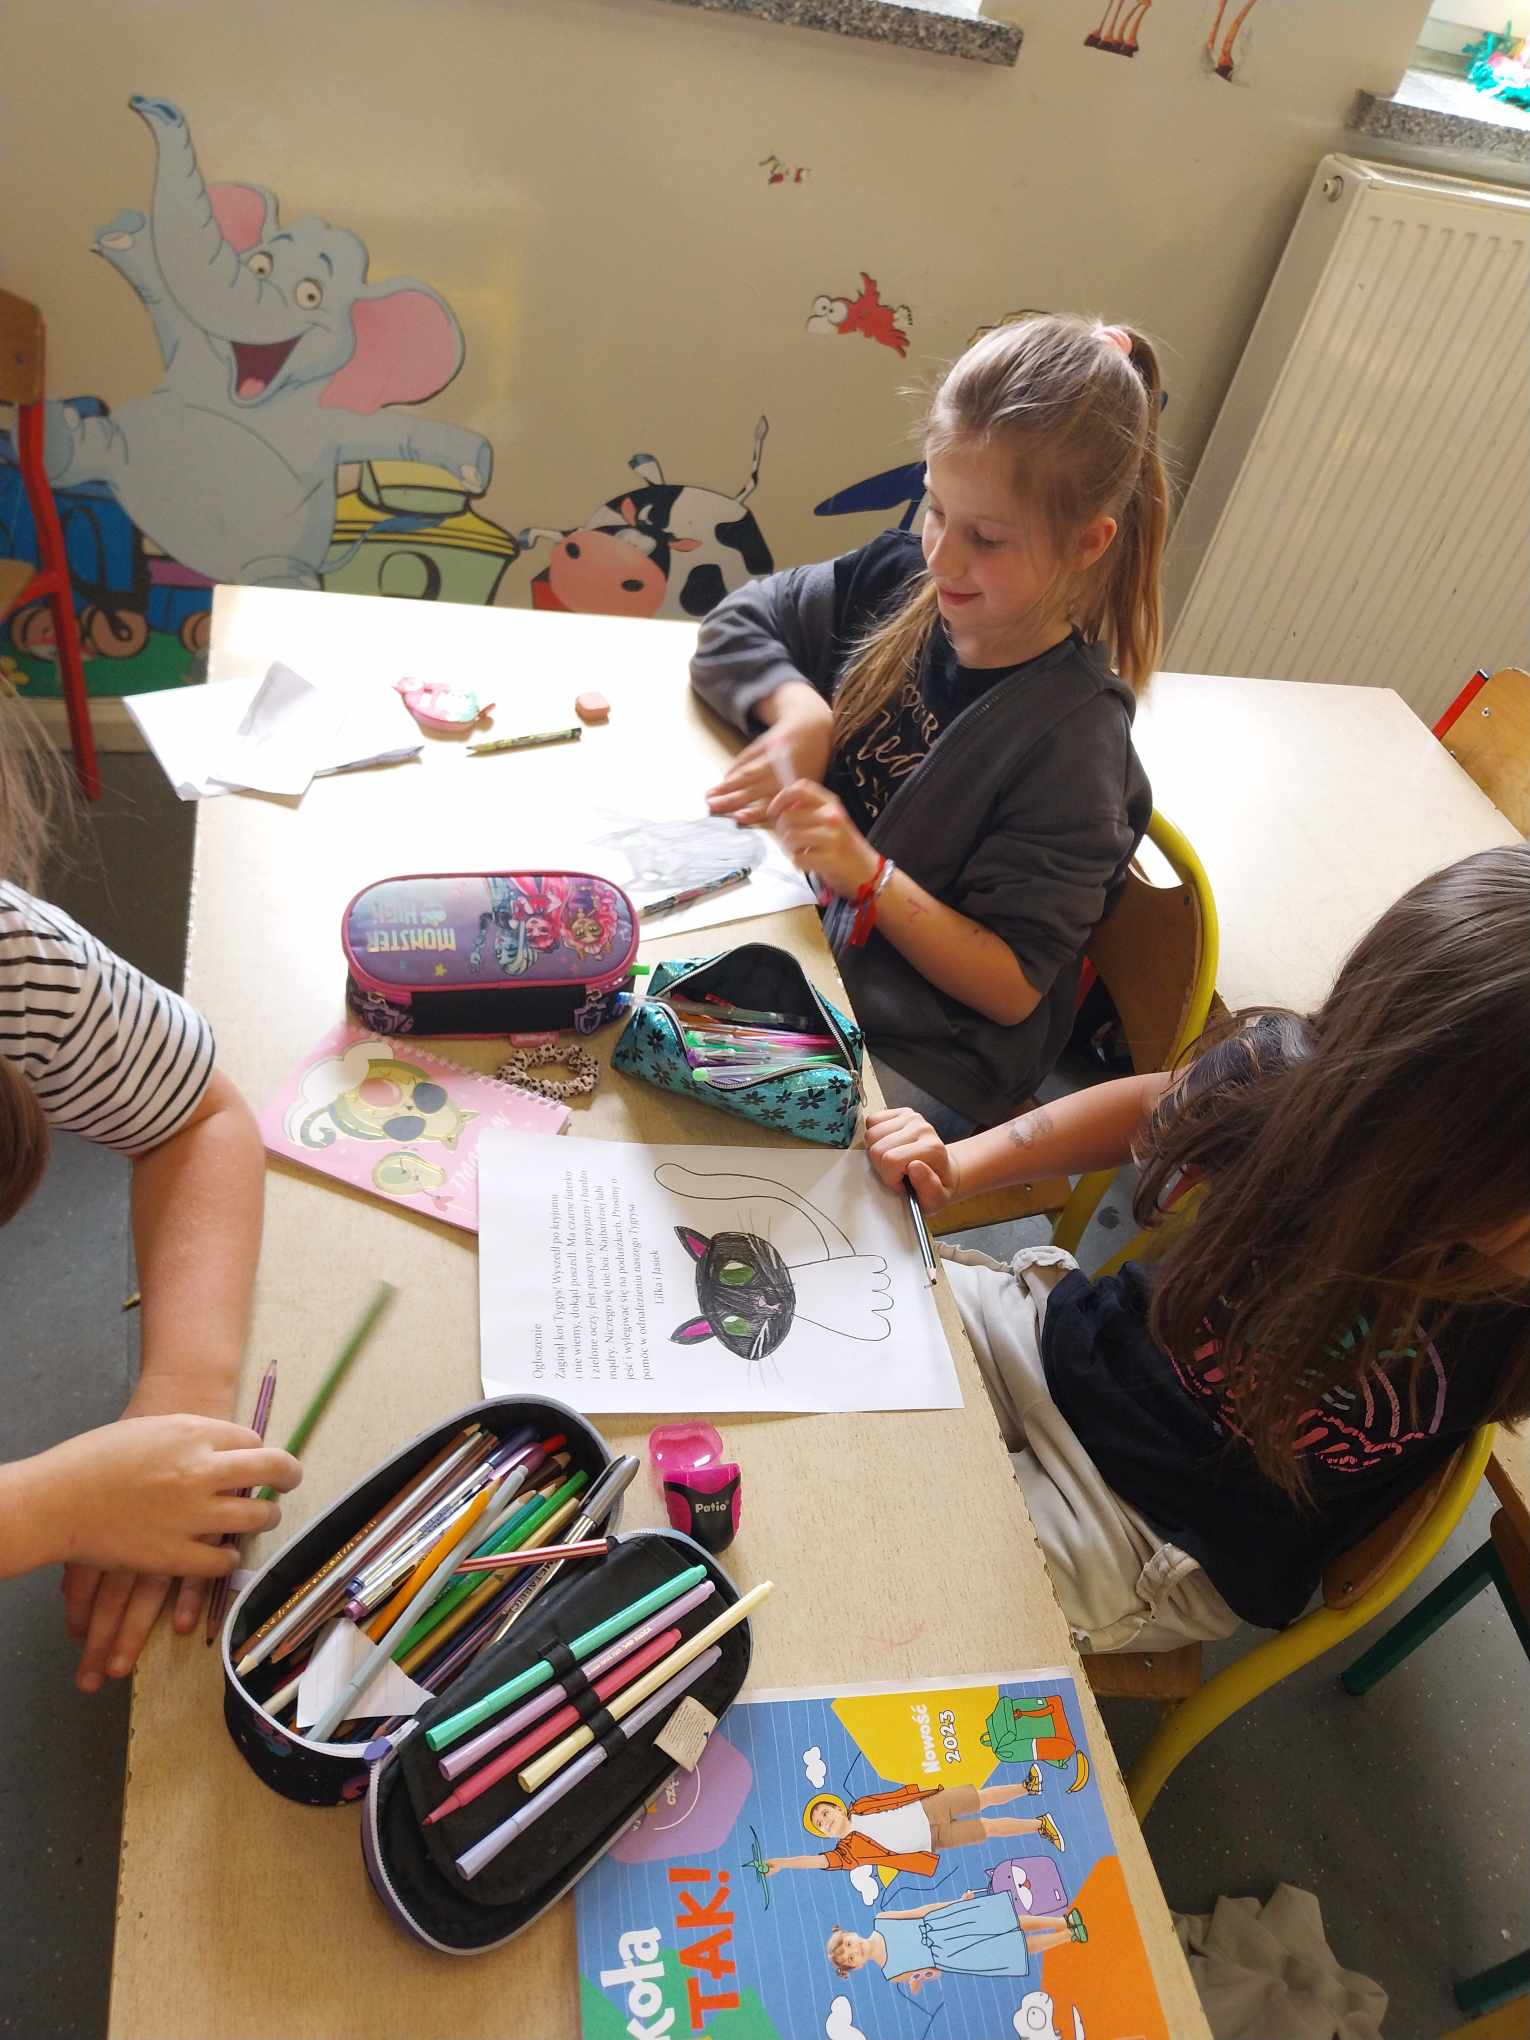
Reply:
x=748, y=1296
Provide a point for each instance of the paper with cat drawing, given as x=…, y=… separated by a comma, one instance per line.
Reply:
x=617, y=1276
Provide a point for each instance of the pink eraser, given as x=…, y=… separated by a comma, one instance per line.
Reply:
x=592, y=708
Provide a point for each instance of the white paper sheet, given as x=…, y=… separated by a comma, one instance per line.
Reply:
x=651, y=857
x=193, y=730
x=793, y=1282
x=335, y=1663
x=288, y=731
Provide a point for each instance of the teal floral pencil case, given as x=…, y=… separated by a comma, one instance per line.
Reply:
x=820, y=1102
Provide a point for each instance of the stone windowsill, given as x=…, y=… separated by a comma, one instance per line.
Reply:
x=942, y=33
x=1432, y=110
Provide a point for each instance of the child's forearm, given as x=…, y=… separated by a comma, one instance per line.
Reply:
x=958, y=955
x=196, y=1227
x=1090, y=1129
x=29, y=1535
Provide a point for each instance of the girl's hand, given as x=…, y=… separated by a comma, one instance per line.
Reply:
x=796, y=746
x=146, y=1493
x=818, y=836
x=901, y=1143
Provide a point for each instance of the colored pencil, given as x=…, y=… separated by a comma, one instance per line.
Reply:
x=508, y=1536
x=456, y=1726
x=468, y=1754
x=456, y=1533
x=382, y=1297
x=505, y=1561
x=497, y=1500
x=536, y=1774
x=602, y=1499
x=374, y=1531
x=217, y=1600
x=483, y=1591
x=472, y=1860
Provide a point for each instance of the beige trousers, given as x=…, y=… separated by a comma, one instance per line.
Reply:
x=1122, y=1586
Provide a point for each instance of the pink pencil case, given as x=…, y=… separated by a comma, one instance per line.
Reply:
x=483, y=953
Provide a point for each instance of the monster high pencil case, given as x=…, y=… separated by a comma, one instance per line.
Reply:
x=503, y=952
x=819, y=1100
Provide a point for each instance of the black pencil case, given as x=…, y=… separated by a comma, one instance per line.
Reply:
x=413, y=1868
x=327, y=1774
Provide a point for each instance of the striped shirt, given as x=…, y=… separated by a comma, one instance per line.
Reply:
x=107, y=1052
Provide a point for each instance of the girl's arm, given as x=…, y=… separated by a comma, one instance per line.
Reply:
x=196, y=1206
x=1091, y=1129
x=958, y=955
x=775, y=1863
x=765, y=656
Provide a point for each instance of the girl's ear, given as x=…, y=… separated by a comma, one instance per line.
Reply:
x=1092, y=543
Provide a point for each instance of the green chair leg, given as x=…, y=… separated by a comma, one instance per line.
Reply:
x=1436, y=1608
x=1490, y=1988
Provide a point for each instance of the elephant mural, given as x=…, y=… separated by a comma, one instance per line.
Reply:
x=280, y=359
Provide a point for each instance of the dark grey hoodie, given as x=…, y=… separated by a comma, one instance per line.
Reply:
x=1023, y=815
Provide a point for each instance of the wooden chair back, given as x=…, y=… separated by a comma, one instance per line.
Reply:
x=1151, y=953
x=1490, y=739
x=21, y=351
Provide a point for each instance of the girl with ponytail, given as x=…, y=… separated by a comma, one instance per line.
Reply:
x=940, y=726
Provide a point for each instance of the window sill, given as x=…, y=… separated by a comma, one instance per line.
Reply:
x=885, y=21
x=1429, y=110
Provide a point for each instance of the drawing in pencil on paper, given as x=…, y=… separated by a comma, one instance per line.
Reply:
x=749, y=1294
x=619, y=1276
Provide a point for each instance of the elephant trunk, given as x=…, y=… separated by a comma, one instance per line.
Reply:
x=202, y=272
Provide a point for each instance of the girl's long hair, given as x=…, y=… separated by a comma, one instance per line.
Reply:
x=1347, y=1157
x=1080, y=421
x=36, y=792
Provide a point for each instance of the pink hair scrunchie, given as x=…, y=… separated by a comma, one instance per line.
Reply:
x=1117, y=336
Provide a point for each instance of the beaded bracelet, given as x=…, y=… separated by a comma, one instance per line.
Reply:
x=583, y=1070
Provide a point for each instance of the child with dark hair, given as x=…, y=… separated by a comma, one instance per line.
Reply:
x=1197, y=1437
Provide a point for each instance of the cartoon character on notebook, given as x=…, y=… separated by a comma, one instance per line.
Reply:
x=910, y=1827
x=749, y=1295
x=366, y=1094
x=978, y=1934
x=406, y=1174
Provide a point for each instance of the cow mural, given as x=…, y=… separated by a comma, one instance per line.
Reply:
x=666, y=549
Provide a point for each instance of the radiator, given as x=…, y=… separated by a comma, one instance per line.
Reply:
x=1362, y=510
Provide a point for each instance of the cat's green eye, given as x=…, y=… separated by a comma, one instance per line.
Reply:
x=735, y=1326
x=737, y=1273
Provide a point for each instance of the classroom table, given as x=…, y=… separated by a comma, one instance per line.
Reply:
x=1312, y=809
x=241, y=1914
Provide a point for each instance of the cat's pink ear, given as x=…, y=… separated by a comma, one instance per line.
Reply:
x=694, y=1332
x=694, y=1243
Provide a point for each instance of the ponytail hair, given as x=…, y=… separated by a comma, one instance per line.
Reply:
x=1076, y=404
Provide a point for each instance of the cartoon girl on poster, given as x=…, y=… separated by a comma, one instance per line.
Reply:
x=978, y=1934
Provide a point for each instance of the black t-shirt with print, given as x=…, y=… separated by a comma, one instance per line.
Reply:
x=1166, y=1439
x=868, y=585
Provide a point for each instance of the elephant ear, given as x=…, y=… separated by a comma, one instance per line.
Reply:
x=408, y=346
x=245, y=214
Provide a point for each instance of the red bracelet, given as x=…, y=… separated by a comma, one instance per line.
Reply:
x=866, y=902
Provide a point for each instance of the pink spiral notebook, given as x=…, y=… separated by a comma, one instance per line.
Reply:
x=389, y=1116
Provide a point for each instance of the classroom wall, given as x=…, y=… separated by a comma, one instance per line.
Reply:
x=653, y=227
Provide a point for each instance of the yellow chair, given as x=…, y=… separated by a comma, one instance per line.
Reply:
x=1486, y=730
x=1156, y=954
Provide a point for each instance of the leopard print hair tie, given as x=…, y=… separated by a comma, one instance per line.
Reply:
x=583, y=1070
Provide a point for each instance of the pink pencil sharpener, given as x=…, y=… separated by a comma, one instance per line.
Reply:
x=703, y=1491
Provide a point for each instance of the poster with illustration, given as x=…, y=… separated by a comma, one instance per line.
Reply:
x=875, y=1862
x=628, y=1277
x=387, y=1115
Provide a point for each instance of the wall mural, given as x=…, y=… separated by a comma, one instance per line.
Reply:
x=865, y=314
x=667, y=549
x=1119, y=26
x=281, y=364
